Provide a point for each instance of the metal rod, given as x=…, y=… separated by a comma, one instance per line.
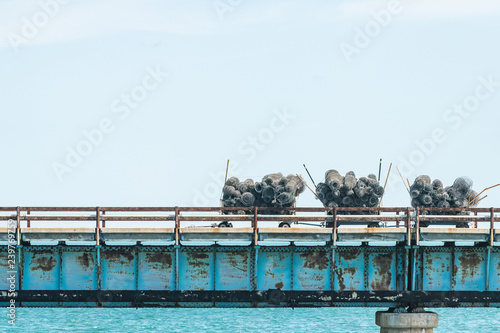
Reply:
x=379, y=170
x=387, y=178
x=309, y=175
x=403, y=180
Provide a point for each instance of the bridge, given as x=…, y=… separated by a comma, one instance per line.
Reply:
x=175, y=257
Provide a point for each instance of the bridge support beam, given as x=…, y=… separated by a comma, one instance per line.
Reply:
x=412, y=322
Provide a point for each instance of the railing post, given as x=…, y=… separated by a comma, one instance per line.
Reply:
x=408, y=225
x=177, y=225
x=492, y=225
x=97, y=226
x=417, y=226
x=334, y=226
x=18, y=230
x=254, y=226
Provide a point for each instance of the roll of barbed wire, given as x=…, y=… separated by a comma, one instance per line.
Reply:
x=437, y=184
x=247, y=199
x=258, y=187
x=378, y=190
x=348, y=191
x=242, y=187
x=333, y=179
x=233, y=181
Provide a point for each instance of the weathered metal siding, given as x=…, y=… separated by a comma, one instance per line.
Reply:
x=494, y=268
x=42, y=267
x=79, y=269
x=156, y=268
x=196, y=268
x=232, y=269
x=120, y=265
x=370, y=268
x=312, y=269
x=464, y=268
x=273, y=271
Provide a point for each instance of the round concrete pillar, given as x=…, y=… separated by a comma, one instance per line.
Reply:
x=394, y=322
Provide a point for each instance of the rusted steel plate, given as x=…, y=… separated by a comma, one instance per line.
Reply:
x=470, y=269
x=118, y=268
x=233, y=270
x=494, y=279
x=436, y=267
x=41, y=268
x=79, y=269
x=311, y=270
x=381, y=270
x=273, y=271
x=349, y=269
x=156, y=269
x=196, y=269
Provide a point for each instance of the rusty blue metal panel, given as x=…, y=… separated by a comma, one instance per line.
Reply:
x=349, y=268
x=470, y=268
x=274, y=268
x=41, y=269
x=232, y=269
x=311, y=269
x=382, y=273
x=6, y=268
x=196, y=269
x=118, y=268
x=494, y=278
x=79, y=269
x=436, y=268
x=156, y=269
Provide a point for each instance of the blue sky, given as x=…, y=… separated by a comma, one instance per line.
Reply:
x=266, y=84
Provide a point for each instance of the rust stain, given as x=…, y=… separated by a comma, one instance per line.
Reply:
x=117, y=256
x=382, y=275
x=38, y=252
x=85, y=260
x=238, y=260
x=279, y=285
x=315, y=260
x=349, y=255
x=469, y=264
x=198, y=260
x=340, y=275
x=46, y=264
x=340, y=279
x=165, y=259
x=200, y=255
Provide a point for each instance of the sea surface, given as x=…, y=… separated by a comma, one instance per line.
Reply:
x=476, y=320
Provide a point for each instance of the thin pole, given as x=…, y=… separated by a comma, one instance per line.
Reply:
x=379, y=170
x=302, y=180
x=227, y=170
x=388, y=172
x=309, y=175
x=402, y=179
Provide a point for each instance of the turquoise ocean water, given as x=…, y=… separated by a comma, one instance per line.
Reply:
x=477, y=320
